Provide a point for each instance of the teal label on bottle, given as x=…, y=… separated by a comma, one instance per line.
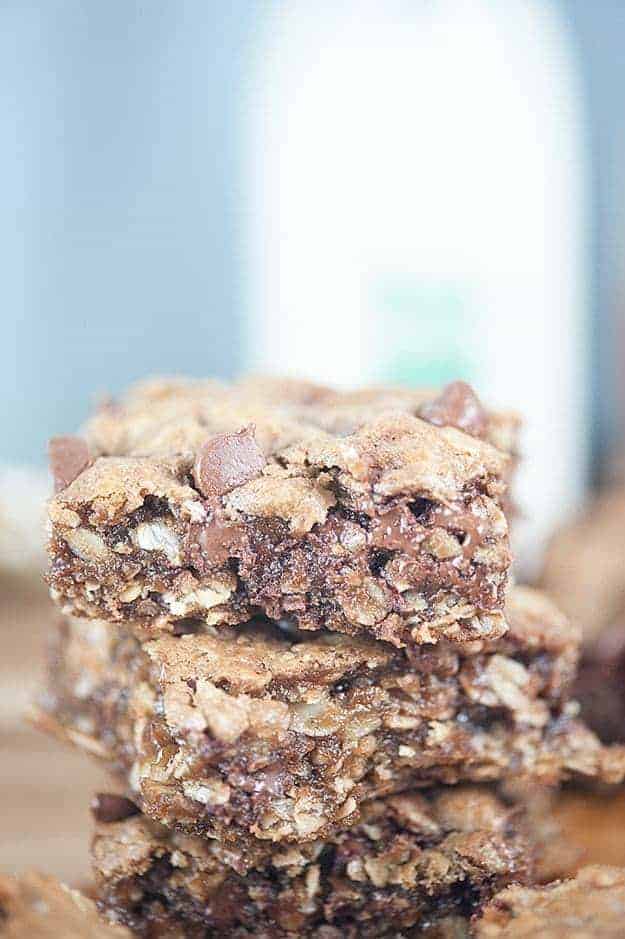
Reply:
x=424, y=332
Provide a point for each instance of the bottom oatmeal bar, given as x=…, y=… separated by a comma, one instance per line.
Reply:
x=420, y=861
x=254, y=732
x=590, y=905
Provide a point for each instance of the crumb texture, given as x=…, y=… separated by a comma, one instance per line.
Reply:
x=261, y=733
x=380, y=513
x=427, y=859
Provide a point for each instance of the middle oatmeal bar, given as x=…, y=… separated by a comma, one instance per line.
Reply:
x=257, y=733
x=186, y=500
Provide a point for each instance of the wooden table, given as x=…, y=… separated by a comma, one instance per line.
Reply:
x=45, y=789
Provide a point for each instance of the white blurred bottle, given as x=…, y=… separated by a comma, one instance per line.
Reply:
x=417, y=213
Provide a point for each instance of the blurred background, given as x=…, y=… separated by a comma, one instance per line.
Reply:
x=351, y=191
x=355, y=191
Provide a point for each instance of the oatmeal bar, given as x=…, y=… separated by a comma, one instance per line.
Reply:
x=34, y=906
x=188, y=500
x=412, y=861
x=255, y=731
x=591, y=905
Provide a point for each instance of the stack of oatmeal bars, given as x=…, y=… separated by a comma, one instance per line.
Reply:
x=288, y=628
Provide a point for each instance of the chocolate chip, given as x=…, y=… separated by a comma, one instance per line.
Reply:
x=421, y=508
x=147, y=608
x=106, y=808
x=227, y=461
x=69, y=456
x=212, y=544
x=456, y=406
x=396, y=530
x=186, y=627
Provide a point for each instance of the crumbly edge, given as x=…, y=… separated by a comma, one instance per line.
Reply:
x=396, y=525
x=256, y=734
x=412, y=860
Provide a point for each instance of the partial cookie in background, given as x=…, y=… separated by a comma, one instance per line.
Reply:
x=591, y=904
x=600, y=685
x=584, y=568
x=35, y=906
x=587, y=828
x=23, y=492
x=585, y=573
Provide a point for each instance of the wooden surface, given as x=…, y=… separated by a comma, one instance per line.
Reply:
x=594, y=824
x=45, y=789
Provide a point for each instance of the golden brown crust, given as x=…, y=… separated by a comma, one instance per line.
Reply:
x=343, y=412
x=257, y=661
x=157, y=402
x=113, y=487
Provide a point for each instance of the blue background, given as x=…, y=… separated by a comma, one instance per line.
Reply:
x=121, y=216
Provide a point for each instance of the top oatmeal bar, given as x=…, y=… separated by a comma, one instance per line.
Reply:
x=377, y=512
